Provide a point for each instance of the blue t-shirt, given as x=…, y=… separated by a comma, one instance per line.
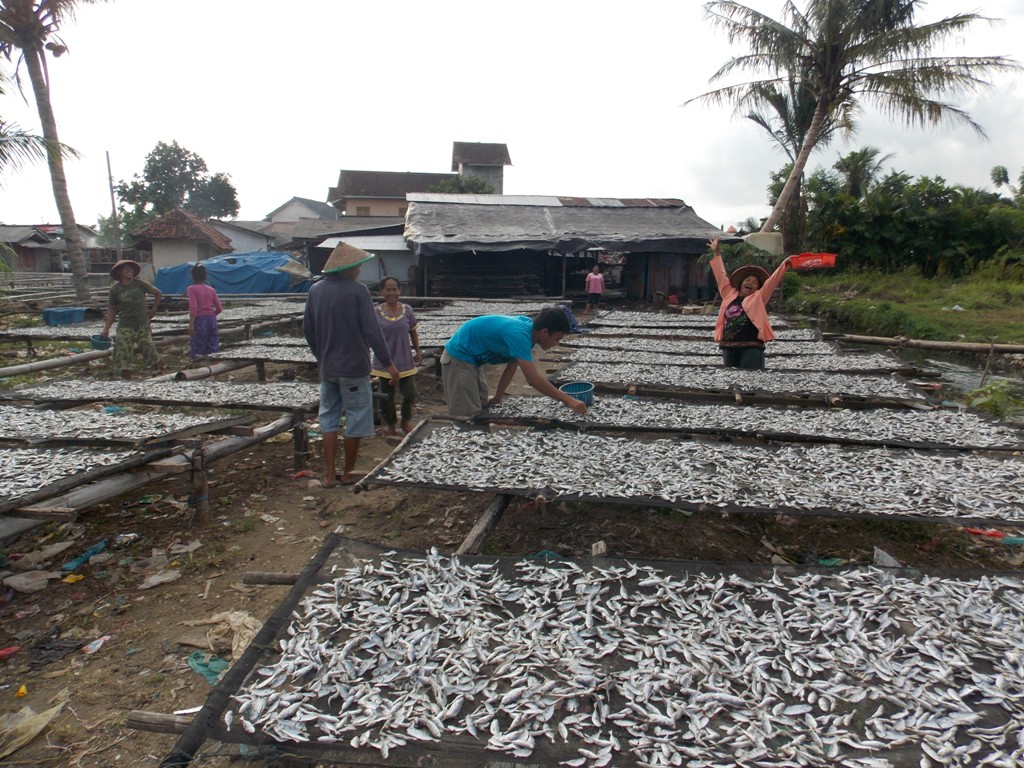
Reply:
x=492, y=340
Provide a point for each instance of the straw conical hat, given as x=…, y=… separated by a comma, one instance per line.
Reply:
x=743, y=272
x=345, y=256
x=136, y=267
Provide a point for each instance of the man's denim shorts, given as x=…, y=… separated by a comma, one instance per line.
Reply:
x=353, y=395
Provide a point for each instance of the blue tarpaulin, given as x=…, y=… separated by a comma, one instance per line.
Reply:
x=236, y=273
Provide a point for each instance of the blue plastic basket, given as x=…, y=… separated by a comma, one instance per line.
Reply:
x=581, y=390
x=63, y=315
x=100, y=342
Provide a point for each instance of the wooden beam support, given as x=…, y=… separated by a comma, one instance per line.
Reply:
x=488, y=520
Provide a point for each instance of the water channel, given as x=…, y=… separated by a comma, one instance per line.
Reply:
x=960, y=373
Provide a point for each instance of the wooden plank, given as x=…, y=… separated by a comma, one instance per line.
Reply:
x=954, y=346
x=488, y=520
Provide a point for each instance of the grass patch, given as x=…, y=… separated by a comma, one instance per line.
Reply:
x=979, y=308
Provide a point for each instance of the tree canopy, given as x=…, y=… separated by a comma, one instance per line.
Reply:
x=845, y=52
x=173, y=177
x=462, y=185
x=897, y=221
x=28, y=30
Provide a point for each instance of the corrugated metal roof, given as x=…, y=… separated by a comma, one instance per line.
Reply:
x=439, y=227
x=437, y=197
x=368, y=243
x=550, y=201
x=21, y=234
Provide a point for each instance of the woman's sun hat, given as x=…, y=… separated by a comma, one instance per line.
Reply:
x=345, y=256
x=741, y=274
x=125, y=263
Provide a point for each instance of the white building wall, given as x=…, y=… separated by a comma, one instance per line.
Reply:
x=244, y=242
x=294, y=211
x=171, y=253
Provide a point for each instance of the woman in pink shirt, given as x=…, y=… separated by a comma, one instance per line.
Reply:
x=203, y=308
x=594, y=287
x=742, y=327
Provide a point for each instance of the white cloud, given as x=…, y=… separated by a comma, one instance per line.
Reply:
x=587, y=96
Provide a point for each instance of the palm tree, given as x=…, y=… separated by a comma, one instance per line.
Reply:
x=18, y=147
x=860, y=169
x=785, y=114
x=848, y=52
x=26, y=29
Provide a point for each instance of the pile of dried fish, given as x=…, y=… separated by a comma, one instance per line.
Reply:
x=275, y=353
x=268, y=310
x=629, y=320
x=273, y=341
x=435, y=334
x=468, y=309
x=785, y=334
x=725, y=379
x=958, y=429
x=800, y=477
x=866, y=362
x=283, y=395
x=24, y=470
x=679, y=347
x=36, y=424
x=629, y=663
x=78, y=330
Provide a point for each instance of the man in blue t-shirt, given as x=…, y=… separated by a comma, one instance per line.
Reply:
x=497, y=340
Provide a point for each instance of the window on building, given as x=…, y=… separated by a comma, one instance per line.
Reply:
x=362, y=210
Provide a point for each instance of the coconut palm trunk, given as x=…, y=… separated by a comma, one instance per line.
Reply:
x=72, y=237
x=790, y=187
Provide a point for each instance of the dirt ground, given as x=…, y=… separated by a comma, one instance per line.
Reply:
x=264, y=519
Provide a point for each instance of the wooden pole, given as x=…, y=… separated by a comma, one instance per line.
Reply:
x=208, y=717
x=200, y=488
x=54, y=362
x=490, y=517
x=300, y=443
x=950, y=346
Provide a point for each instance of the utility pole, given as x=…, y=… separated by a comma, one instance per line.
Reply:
x=113, y=207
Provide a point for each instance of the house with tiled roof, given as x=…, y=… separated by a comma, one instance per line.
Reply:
x=383, y=193
x=179, y=237
x=379, y=193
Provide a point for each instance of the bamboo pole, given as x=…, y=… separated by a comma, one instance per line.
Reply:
x=101, y=490
x=54, y=362
x=949, y=346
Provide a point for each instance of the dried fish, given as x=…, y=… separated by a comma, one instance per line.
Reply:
x=37, y=424
x=726, y=379
x=684, y=347
x=708, y=669
x=842, y=479
x=940, y=426
x=284, y=395
x=827, y=362
x=24, y=470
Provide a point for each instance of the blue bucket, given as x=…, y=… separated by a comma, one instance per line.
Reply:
x=581, y=390
x=99, y=342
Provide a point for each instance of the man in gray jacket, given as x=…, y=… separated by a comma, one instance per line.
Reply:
x=340, y=326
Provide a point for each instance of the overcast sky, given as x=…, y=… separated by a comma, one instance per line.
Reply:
x=587, y=95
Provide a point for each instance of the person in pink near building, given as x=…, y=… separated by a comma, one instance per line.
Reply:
x=595, y=287
x=203, y=308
